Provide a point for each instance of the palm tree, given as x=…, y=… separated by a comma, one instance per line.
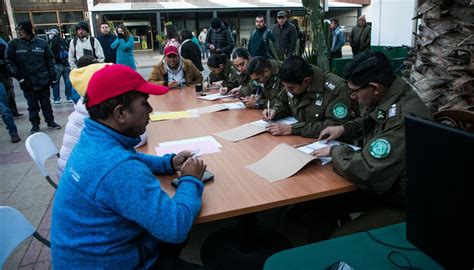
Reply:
x=313, y=13
x=443, y=71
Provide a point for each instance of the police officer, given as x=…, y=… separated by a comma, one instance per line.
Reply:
x=316, y=99
x=239, y=78
x=379, y=169
x=265, y=84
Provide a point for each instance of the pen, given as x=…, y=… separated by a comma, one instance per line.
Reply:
x=268, y=108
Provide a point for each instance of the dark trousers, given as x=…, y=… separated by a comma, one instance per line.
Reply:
x=169, y=258
x=10, y=91
x=36, y=99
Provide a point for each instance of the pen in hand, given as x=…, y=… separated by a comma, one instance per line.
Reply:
x=268, y=108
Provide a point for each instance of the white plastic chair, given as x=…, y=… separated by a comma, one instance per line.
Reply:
x=41, y=148
x=14, y=228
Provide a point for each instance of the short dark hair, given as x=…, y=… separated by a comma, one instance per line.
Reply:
x=105, y=109
x=294, y=69
x=216, y=59
x=368, y=67
x=261, y=16
x=258, y=64
x=86, y=60
x=104, y=22
x=336, y=21
x=241, y=52
x=186, y=34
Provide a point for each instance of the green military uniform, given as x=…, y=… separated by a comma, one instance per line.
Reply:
x=380, y=167
x=267, y=91
x=226, y=76
x=237, y=78
x=325, y=102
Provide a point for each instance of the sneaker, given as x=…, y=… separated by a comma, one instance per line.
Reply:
x=17, y=115
x=57, y=102
x=54, y=125
x=35, y=128
x=15, y=138
x=70, y=101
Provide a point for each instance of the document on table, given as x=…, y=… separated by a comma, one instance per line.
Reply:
x=206, y=145
x=321, y=144
x=282, y=162
x=221, y=107
x=287, y=121
x=215, y=96
x=251, y=129
x=160, y=116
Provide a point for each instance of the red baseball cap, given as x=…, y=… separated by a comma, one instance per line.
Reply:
x=171, y=50
x=115, y=80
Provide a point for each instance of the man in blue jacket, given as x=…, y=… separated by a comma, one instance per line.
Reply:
x=109, y=210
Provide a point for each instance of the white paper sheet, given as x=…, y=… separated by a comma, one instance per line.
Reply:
x=215, y=96
x=287, y=121
x=309, y=148
x=198, y=139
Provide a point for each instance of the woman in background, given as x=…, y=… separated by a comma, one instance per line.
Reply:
x=124, y=45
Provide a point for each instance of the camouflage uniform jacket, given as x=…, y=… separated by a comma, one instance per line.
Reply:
x=325, y=102
x=380, y=167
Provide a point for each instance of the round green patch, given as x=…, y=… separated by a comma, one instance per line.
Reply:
x=380, y=148
x=340, y=110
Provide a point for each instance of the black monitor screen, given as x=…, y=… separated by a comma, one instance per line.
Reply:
x=440, y=171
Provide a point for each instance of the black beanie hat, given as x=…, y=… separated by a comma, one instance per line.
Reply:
x=82, y=25
x=216, y=23
x=26, y=26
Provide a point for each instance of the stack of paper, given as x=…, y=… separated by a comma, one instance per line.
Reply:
x=309, y=148
x=282, y=162
x=215, y=96
x=286, y=121
x=160, y=116
x=205, y=145
x=221, y=107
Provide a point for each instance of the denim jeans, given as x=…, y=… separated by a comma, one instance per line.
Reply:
x=204, y=50
x=63, y=71
x=75, y=95
x=6, y=113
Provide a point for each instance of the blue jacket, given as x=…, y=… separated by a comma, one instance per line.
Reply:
x=109, y=202
x=338, y=39
x=124, y=52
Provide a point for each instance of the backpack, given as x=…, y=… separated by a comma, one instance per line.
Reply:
x=92, y=40
x=64, y=50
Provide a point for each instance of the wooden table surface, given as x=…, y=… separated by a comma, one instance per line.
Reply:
x=235, y=189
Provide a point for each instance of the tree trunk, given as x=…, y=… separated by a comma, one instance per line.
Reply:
x=313, y=12
x=443, y=71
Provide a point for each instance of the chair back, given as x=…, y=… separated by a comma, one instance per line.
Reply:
x=41, y=147
x=458, y=118
x=14, y=228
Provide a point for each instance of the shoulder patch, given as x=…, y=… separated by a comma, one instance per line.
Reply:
x=329, y=86
x=380, y=114
x=340, y=110
x=392, y=111
x=380, y=148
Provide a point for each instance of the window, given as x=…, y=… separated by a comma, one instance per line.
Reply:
x=20, y=17
x=45, y=17
x=70, y=16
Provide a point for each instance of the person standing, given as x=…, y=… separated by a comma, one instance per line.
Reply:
x=5, y=111
x=284, y=34
x=31, y=62
x=202, y=42
x=61, y=66
x=189, y=49
x=259, y=41
x=106, y=39
x=8, y=84
x=219, y=38
x=84, y=44
x=360, y=36
x=338, y=39
x=124, y=46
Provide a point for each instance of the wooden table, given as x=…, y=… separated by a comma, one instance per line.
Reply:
x=236, y=190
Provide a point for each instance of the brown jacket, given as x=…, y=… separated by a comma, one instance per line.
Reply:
x=191, y=73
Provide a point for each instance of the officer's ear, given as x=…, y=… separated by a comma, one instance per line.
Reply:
x=306, y=80
x=377, y=88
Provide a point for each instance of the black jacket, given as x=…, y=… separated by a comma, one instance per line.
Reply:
x=4, y=74
x=109, y=53
x=285, y=38
x=189, y=50
x=221, y=39
x=32, y=61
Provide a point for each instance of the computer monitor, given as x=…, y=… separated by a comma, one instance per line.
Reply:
x=440, y=172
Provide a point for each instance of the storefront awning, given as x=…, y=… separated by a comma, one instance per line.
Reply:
x=208, y=5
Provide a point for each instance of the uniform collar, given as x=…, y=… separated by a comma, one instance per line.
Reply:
x=396, y=89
